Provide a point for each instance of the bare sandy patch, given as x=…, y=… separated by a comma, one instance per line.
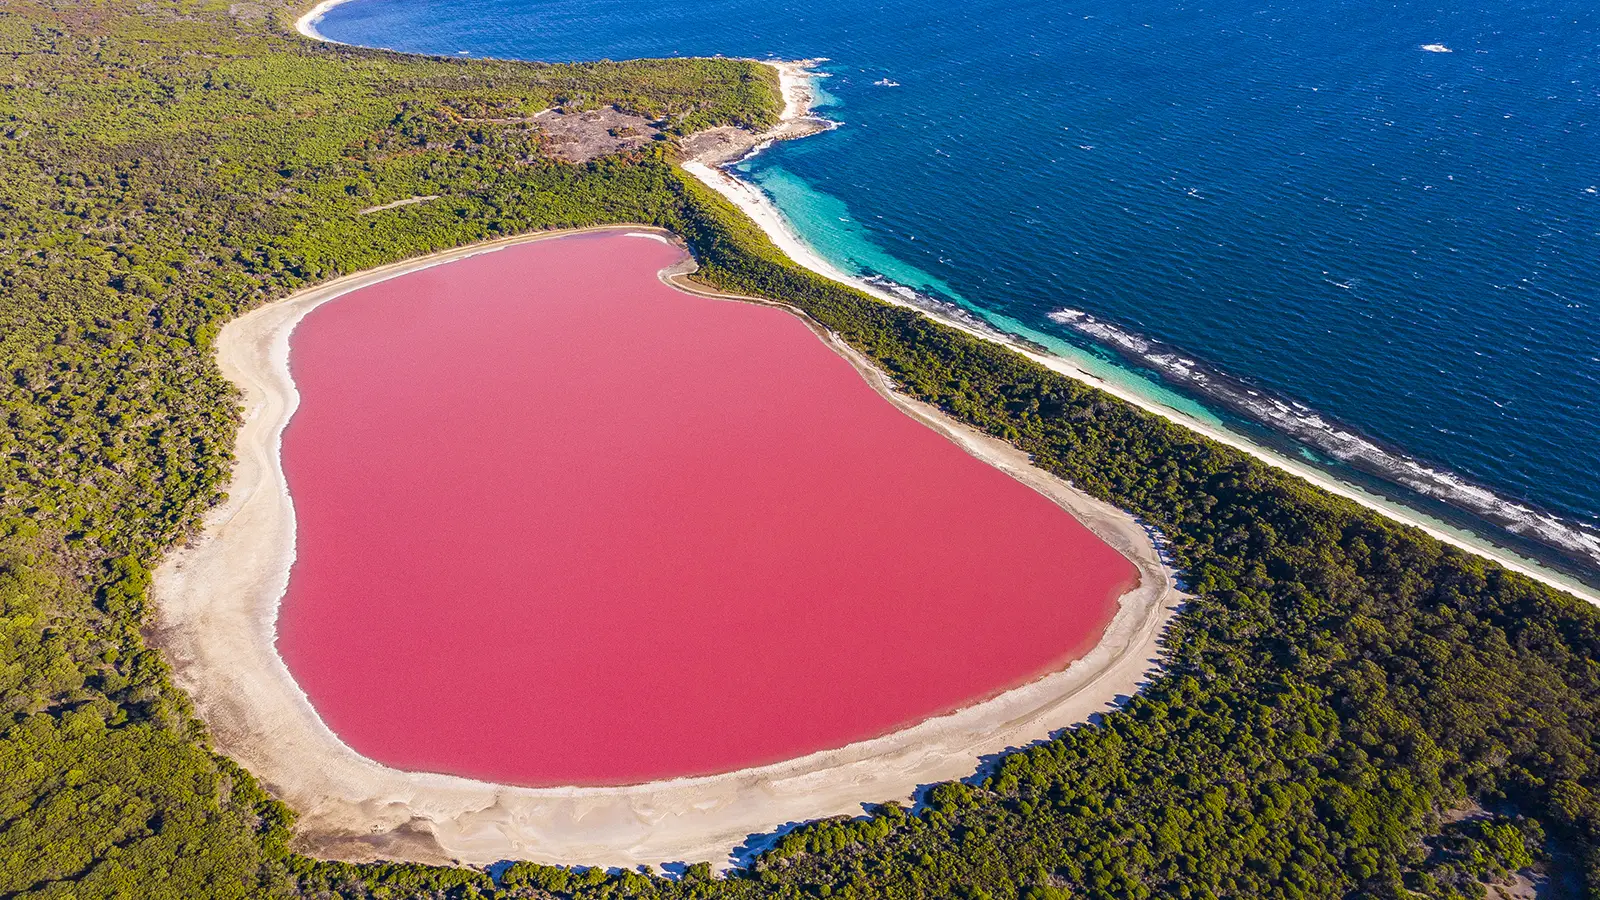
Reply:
x=580, y=136
x=396, y=204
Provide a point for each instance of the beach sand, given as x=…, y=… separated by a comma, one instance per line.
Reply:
x=307, y=23
x=726, y=144
x=217, y=603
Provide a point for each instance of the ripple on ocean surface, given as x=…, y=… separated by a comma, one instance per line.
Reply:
x=1402, y=240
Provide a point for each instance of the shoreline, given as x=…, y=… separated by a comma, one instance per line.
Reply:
x=712, y=171
x=306, y=24
x=217, y=601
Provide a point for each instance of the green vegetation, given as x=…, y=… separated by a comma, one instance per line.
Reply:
x=160, y=172
x=1338, y=688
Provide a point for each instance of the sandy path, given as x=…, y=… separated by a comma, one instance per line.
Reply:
x=397, y=204
x=217, y=605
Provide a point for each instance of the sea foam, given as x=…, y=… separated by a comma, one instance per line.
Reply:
x=1341, y=442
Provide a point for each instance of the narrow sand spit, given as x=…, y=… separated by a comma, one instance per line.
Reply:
x=217, y=605
x=708, y=165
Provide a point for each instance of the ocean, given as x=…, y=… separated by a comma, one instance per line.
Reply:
x=1367, y=235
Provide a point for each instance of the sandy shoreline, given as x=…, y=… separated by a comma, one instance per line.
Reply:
x=307, y=23
x=217, y=606
x=711, y=170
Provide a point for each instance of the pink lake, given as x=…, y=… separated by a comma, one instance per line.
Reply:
x=559, y=523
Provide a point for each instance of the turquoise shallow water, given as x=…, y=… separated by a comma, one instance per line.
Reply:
x=1291, y=214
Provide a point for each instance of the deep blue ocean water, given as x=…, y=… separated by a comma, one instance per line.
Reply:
x=1292, y=212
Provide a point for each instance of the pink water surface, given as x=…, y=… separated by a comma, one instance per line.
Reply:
x=559, y=523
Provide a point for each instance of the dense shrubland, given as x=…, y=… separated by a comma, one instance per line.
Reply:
x=1338, y=691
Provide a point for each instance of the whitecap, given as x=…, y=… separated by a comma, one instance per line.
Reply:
x=1311, y=428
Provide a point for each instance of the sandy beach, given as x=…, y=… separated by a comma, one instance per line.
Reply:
x=217, y=603
x=307, y=23
x=710, y=169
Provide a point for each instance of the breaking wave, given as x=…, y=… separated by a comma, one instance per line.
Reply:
x=946, y=309
x=1573, y=540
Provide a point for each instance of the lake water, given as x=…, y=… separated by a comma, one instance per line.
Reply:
x=558, y=523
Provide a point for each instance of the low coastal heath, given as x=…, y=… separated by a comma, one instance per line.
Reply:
x=217, y=613
x=709, y=166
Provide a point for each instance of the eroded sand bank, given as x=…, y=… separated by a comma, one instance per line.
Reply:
x=217, y=605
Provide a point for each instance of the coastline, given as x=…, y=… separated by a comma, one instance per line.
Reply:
x=711, y=170
x=306, y=24
x=217, y=602
x=727, y=144
x=436, y=818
